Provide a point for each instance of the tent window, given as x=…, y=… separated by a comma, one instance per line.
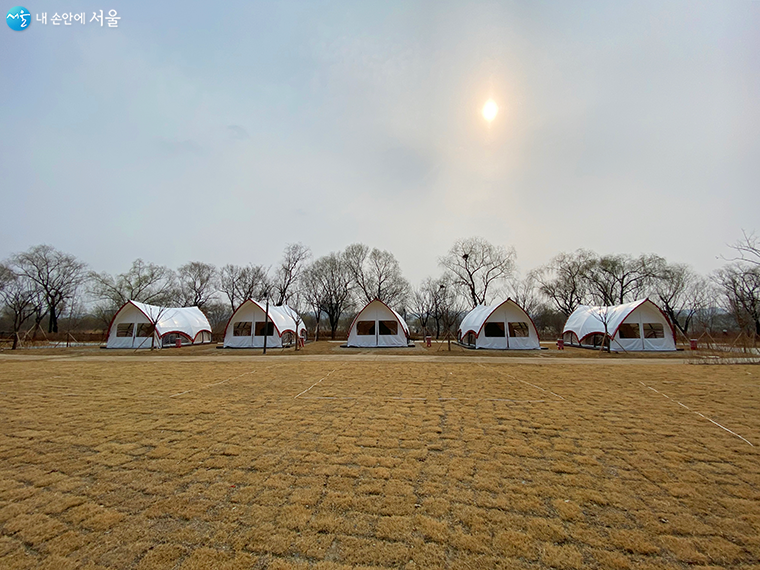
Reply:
x=595, y=339
x=629, y=330
x=494, y=329
x=568, y=337
x=124, y=329
x=654, y=330
x=519, y=329
x=365, y=328
x=144, y=330
x=242, y=328
x=171, y=339
x=388, y=327
x=260, y=328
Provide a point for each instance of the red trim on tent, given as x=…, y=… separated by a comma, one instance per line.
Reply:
x=575, y=335
x=151, y=321
x=201, y=332
x=628, y=314
x=108, y=334
x=187, y=336
x=263, y=311
x=477, y=333
x=667, y=319
x=384, y=305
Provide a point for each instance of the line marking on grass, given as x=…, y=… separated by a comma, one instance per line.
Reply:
x=315, y=383
x=698, y=413
x=524, y=382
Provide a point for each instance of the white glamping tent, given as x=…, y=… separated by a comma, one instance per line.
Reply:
x=377, y=325
x=503, y=327
x=245, y=328
x=637, y=326
x=137, y=325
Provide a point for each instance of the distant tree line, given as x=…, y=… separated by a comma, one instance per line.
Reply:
x=42, y=286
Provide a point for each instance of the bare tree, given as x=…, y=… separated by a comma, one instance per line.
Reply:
x=423, y=303
x=57, y=274
x=377, y=275
x=525, y=292
x=18, y=298
x=748, y=248
x=563, y=282
x=711, y=317
x=740, y=284
x=218, y=313
x=450, y=308
x=313, y=293
x=40, y=310
x=294, y=259
x=435, y=303
x=617, y=279
x=240, y=283
x=476, y=266
x=681, y=294
x=144, y=282
x=6, y=276
x=330, y=276
x=197, y=283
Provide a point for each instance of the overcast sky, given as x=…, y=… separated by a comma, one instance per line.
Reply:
x=221, y=132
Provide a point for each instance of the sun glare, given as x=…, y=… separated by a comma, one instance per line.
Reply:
x=490, y=109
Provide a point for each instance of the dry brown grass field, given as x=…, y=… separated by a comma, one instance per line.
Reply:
x=292, y=463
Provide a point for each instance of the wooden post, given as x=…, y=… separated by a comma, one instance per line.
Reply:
x=266, y=325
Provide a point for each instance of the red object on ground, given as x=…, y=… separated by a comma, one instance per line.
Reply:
x=178, y=343
x=428, y=341
x=560, y=344
x=693, y=343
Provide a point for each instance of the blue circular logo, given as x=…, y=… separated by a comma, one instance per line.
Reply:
x=18, y=18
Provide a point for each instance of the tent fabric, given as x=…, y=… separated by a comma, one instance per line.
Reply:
x=189, y=323
x=586, y=322
x=379, y=314
x=283, y=318
x=508, y=319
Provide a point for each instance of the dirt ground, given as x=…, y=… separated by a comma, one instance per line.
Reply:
x=297, y=463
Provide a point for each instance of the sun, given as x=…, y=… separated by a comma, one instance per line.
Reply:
x=490, y=109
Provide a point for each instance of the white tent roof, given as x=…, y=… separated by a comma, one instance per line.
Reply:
x=476, y=318
x=586, y=320
x=473, y=321
x=188, y=320
x=399, y=318
x=284, y=318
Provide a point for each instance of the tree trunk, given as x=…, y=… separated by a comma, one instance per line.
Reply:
x=53, y=321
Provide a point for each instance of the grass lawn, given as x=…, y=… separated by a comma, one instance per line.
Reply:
x=288, y=463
